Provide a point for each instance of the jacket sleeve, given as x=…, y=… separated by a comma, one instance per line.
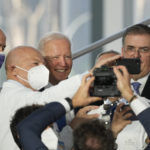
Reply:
x=145, y=120
x=30, y=129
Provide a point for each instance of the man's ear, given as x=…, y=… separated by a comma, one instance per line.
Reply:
x=12, y=69
x=122, y=51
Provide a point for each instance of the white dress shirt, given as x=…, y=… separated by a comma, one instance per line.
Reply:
x=133, y=136
x=14, y=95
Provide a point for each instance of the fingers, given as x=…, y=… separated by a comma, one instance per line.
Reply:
x=123, y=69
x=117, y=72
x=128, y=115
x=113, y=58
x=87, y=80
x=110, y=59
x=119, y=107
x=83, y=112
x=93, y=99
x=123, y=110
x=88, y=108
x=84, y=79
x=106, y=61
x=90, y=81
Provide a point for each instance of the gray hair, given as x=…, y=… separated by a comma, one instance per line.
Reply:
x=106, y=52
x=52, y=36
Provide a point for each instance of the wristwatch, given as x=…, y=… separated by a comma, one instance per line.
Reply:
x=69, y=100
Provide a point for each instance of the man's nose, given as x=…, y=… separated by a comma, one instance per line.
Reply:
x=136, y=54
x=62, y=61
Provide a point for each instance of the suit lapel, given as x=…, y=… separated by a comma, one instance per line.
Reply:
x=146, y=90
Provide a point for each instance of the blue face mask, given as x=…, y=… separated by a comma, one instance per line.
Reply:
x=2, y=58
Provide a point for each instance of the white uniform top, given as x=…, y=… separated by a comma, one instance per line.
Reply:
x=14, y=95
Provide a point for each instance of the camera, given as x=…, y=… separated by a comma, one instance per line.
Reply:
x=105, y=83
x=132, y=65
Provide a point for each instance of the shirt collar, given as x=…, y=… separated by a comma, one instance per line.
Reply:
x=142, y=81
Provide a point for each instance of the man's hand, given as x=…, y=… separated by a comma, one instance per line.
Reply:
x=82, y=116
x=82, y=96
x=105, y=62
x=123, y=81
x=119, y=120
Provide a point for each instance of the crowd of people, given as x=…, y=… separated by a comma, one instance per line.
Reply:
x=42, y=107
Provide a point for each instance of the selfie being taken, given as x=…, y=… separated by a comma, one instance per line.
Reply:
x=74, y=75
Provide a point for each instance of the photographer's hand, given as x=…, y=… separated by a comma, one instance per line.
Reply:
x=82, y=96
x=105, y=62
x=120, y=119
x=123, y=82
x=82, y=116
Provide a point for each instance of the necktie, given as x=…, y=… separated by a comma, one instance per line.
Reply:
x=136, y=86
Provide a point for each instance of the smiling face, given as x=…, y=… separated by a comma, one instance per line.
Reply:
x=58, y=59
x=138, y=46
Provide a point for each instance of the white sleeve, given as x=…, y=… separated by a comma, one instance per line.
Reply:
x=139, y=104
x=65, y=104
x=66, y=88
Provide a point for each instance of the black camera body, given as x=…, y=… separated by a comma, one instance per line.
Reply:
x=105, y=83
x=133, y=65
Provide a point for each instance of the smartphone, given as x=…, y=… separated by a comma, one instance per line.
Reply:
x=133, y=65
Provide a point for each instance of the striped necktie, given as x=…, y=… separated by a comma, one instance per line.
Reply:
x=136, y=86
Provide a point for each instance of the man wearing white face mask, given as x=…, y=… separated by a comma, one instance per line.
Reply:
x=37, y=76
x=25, y=74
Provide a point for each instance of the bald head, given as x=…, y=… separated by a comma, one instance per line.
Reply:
x=23, y=56
x=2, y=41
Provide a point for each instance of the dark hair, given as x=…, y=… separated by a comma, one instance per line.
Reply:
x=136, y=29
x=94, y=131
x=21, y=114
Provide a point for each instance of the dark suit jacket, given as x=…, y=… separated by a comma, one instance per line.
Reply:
x=145, y=92
x=144, y=118
x=30, y=129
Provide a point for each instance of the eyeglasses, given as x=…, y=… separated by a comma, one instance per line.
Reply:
x=132, y=50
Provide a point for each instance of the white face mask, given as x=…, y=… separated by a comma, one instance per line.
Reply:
x=38, y=76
